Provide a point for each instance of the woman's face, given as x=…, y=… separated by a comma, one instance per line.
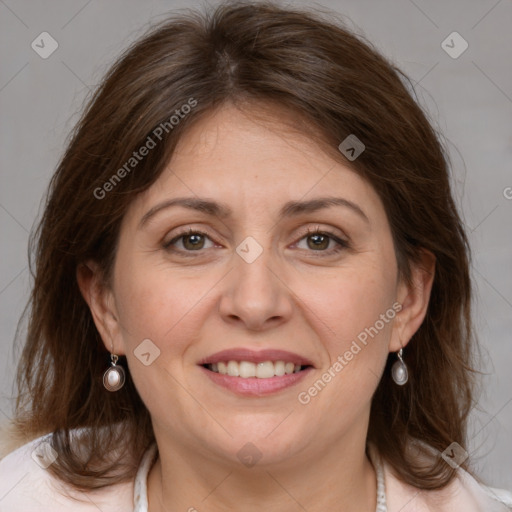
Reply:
x=255, y=281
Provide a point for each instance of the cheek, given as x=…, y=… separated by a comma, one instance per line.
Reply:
x=355, y=313
x=164, y=304
x=154, y=305
x=157, y=305
x=354, y=302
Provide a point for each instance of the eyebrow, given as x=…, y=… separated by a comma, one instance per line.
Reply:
x=223, y=211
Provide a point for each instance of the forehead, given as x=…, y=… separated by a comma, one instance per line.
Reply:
x=250, y=160
x=252, y=134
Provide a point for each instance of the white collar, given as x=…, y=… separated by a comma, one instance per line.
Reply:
x=140, y=494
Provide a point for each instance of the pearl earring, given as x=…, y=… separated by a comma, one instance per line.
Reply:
x=399, y=370
x=114, y=377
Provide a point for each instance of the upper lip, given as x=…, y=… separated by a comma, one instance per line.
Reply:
x=245, y=354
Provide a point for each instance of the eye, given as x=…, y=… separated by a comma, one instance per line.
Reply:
x=316, y=241
x=319, y=241
x=191, y=241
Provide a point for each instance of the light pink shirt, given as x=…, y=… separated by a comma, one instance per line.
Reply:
x=26, y=486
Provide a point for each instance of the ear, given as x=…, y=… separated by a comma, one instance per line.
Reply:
x=101, y=302
x=414, y=299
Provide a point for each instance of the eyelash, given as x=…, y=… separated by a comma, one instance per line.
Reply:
x=342, y=244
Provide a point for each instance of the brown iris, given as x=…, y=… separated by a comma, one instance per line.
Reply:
x=320, y=241
x=196, y=241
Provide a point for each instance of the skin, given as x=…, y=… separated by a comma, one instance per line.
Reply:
x=291, y=297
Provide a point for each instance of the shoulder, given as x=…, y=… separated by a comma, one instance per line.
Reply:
x=27, y=486
x=463, y=493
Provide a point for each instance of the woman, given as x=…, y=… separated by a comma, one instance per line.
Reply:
x=251, y=286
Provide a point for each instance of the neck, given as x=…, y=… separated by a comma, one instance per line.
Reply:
x=342, y=479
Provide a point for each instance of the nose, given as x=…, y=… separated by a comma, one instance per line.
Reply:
x=256, y=295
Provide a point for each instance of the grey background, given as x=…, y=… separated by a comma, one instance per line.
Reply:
x=469, y=99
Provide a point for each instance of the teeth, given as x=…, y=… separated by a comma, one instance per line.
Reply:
x=233, y=369
x=279, y=368
x=246, y=369
x=265, y=370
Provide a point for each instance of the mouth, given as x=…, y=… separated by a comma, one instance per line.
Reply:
x=262, y=370
x=249, y=373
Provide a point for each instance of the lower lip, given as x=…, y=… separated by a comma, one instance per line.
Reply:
x=254, y=386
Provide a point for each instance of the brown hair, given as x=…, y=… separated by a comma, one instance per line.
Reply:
x=338, y=84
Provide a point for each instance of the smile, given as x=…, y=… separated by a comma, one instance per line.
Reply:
x=248, y=382
x=248, y=369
